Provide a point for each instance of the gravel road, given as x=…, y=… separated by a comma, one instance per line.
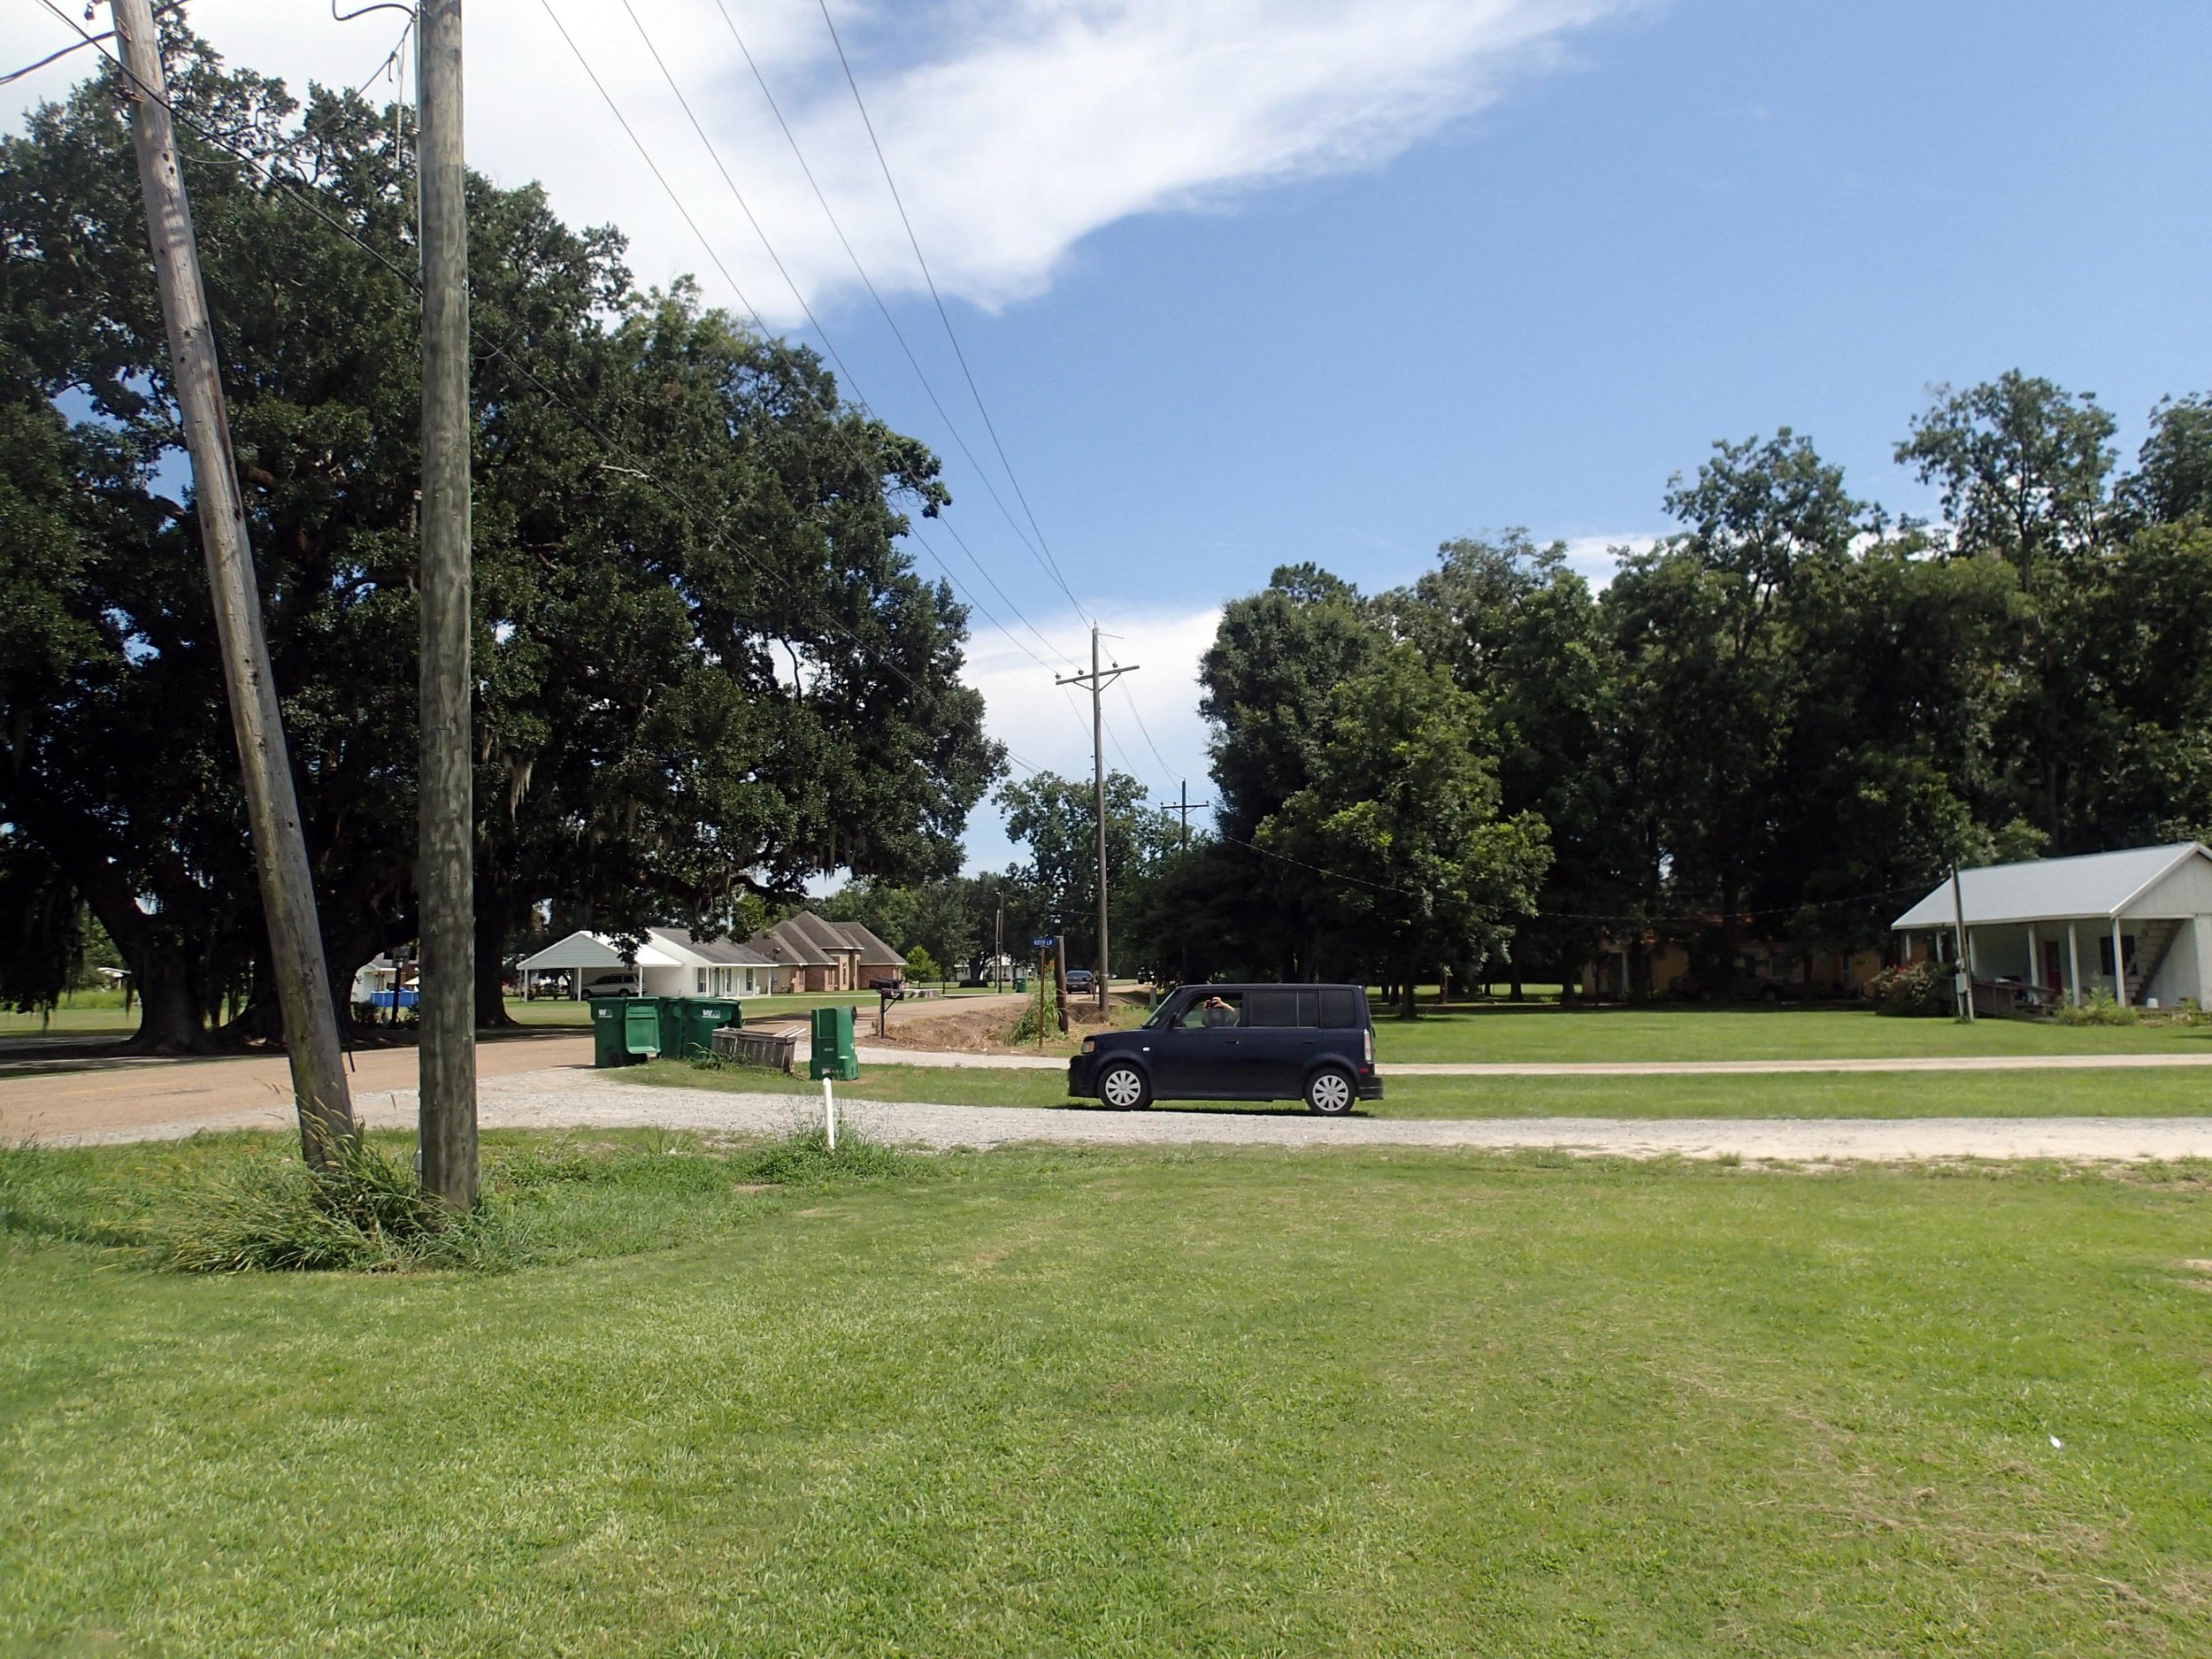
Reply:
x=571, y=1099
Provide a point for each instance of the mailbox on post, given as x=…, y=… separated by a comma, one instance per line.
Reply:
x=834, y=1054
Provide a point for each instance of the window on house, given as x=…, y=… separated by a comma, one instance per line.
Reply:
x=702, y=981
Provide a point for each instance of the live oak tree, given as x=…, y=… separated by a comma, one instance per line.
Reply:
x=706, y=669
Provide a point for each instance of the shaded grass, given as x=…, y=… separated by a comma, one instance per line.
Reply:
x=1088, y=1403
x=2149, y=1092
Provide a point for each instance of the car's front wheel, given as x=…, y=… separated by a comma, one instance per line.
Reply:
x=1124, y=1088
x=1331, y=1092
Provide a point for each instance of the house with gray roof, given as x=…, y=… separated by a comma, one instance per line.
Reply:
x=2135, y=924
x=825, y=955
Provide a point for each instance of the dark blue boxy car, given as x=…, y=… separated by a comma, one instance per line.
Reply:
x=1311, y=1042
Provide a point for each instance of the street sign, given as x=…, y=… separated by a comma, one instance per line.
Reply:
x=1046, y=943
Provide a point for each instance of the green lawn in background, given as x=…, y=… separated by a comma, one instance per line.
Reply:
x=1546, y=1032
x=2152, y=1092
x=81, y=1014
x=1098, y=1403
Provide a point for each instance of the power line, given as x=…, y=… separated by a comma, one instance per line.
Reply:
x=715, y=155
x=852, y=381
x=913, y=360
x=1130, y=698
x=944, y=316
x=15, y=75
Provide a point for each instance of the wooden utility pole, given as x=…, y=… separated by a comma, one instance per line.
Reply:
x=446, y=884
x=1186, y=806
x=1097, y=679
x=1060, y=980
x=1966, y=968
x=273, y=813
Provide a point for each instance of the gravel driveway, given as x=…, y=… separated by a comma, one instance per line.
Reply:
x=571, y=1099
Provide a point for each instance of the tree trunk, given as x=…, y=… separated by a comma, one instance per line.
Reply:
x=491, y=944
x=169, y=1007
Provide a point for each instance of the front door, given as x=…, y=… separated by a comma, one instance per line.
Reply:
x=1198, y=1054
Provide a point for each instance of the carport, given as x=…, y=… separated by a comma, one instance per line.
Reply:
x=583, y=957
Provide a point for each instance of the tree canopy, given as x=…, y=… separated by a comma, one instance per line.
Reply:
x=706, y=669
x=1785, y=719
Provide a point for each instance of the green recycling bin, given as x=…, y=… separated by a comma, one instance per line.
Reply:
x=832, y=1054
x=646, y=1027
x=698, y=1018
x=606, y=1031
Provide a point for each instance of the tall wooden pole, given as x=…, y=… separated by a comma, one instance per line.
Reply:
x=1966, y=968
x=1097, y=680
x=273, y=813
x=446, y=883
x=1098, y=798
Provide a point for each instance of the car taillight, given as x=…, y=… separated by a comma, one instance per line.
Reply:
x=1367, y=1044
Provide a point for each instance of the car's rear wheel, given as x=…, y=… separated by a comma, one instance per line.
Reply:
x=1124, y=1088
x=1331, y=1092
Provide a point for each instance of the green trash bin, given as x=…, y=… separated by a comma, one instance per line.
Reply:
x=699, y=1018
x=607, y=1047
x=645, y=1022
x=832, y=1053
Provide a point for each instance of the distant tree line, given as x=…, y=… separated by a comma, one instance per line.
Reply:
x=706, y=671
x=1787, y=719
x=1784, y=721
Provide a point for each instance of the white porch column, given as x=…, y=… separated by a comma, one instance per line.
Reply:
x=2200, y=926
x=2119, y=967
x=2035, y=959
x=2073, y=964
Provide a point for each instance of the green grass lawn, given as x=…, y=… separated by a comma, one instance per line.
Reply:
x=81, y=1014
x=1105, y=1403
x=1546, y=1032
x=2150, y=1093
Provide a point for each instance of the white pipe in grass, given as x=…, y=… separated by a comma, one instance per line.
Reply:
x=829, y=1114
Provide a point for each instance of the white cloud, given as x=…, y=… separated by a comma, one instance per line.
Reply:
x=1154, y=710
x=1016, y=128
x=1598, y=556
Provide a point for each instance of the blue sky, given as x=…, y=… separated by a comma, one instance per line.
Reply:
x=1265, y=281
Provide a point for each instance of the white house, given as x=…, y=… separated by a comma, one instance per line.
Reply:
x=668, y=962
x=2136, y=925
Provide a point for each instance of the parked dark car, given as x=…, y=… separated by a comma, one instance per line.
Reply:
x=1311, y=1042
x=1082, y=979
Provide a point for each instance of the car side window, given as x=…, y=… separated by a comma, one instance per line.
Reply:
x=1340, y=1010
x=1212, y=1012
x=1272, y=1010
